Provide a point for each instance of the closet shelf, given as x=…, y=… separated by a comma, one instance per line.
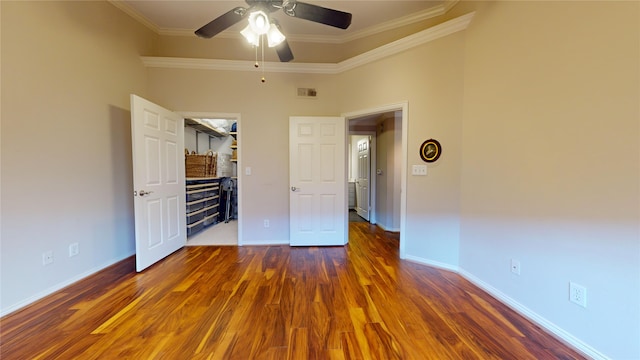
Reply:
x=202, y=127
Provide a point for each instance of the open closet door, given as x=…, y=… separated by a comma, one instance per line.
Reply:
x=317, y=177
x=157, y=137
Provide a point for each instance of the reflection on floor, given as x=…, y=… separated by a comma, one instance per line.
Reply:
x=219, y=234
x=354, y=217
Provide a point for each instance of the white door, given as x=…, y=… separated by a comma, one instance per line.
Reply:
x=362, y=182
x=317, y=180
x=157, y=137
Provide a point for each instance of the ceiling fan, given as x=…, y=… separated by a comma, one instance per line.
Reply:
x=260, y=23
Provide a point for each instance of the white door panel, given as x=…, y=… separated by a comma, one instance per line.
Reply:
x=158, y=181
x=362, y=182
x=318, y=181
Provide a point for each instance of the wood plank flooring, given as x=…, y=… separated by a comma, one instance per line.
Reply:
x=276, y=302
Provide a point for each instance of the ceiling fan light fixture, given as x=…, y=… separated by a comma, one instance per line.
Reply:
x=252, y=37
x=274, y=36
x=259, y=22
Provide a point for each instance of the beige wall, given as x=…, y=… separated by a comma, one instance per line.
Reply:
x=430, y=79
x=67, y=71
x=389, y=160
x=264, y=131
x=535, y=105
x=398, y=155
x=265, y=110
x=550, y=165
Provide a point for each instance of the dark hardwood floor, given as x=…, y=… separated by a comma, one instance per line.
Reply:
x=276, y=302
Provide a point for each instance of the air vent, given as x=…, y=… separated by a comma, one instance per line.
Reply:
x=307, y=92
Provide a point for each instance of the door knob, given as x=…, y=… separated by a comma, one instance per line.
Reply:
x=293, y=188
x=143, y=193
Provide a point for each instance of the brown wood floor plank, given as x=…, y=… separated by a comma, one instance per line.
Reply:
x=359, y=301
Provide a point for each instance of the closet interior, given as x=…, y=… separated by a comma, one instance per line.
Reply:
x=211, y=181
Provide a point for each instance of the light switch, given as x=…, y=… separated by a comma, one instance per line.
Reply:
x=419, y=170
x=247, y=170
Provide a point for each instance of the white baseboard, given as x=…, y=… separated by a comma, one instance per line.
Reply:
x=30, y=300
x=432, y=263
x=387, y=229
x=558, y=332
x=555, y=330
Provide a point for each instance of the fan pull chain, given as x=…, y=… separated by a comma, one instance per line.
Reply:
x=262, y=48
x=256, y=65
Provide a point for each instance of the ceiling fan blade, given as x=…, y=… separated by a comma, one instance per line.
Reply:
x=221, y=23
x=319, y=14
x=284, y=51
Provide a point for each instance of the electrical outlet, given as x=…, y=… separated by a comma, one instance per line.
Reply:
x=515, y=266
x=419, y=170
x=74, y=249
x=47, y=257
x=266, y=223
x=578, y=294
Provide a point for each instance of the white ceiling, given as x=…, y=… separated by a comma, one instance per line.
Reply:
x=180, y=17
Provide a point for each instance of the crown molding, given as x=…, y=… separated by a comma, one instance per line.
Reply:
x=338, y=39
x=135, y=15
x=433, y=33
x=191, y=33
x=237, y=65
x=406, y=43
x=400, y=22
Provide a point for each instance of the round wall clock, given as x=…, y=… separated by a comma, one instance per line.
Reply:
x=430, y=150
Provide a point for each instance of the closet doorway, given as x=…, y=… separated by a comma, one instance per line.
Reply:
x=217, y=134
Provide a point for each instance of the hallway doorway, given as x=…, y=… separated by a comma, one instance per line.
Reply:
x=386, y=127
